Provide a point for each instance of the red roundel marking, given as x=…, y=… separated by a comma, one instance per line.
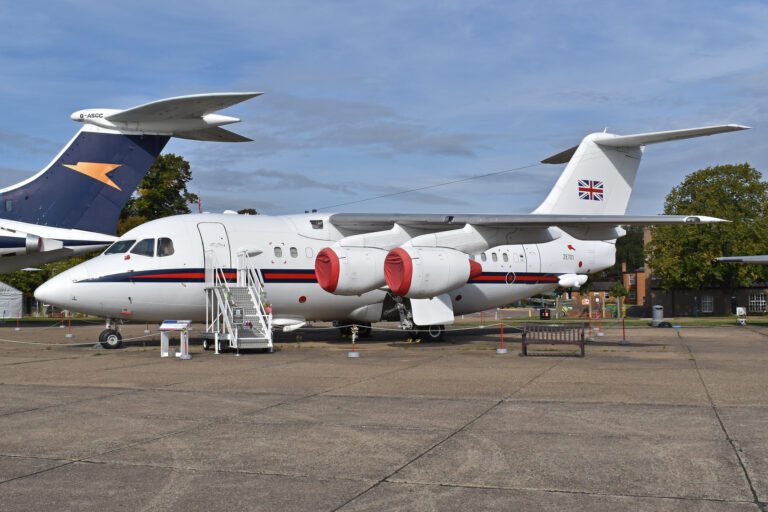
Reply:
x=398, y=271
x=475, y=269
x=327, y=269
x=302, y=299
x=580, y=264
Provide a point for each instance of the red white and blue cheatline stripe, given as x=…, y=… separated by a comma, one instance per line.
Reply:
x=514, y=278
x=591, y=190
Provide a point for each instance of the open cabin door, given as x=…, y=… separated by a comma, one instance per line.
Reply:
x=215, y=241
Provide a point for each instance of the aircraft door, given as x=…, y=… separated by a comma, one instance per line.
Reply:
x=532, y=258
x=214, y=237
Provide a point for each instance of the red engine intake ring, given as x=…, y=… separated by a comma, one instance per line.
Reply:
x=398, y=271
x=327, y=269
x=475, y=269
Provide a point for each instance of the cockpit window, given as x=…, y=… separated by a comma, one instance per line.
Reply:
x=164, y=247
x=119, y=247
x=144, y=247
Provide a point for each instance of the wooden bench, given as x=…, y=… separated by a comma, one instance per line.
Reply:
x=553, y=334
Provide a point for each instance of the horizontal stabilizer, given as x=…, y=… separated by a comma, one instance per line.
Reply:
x=642, y=139
x=181, y=107
x=214, y=134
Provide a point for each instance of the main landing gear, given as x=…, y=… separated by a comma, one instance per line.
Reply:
x=417, y=332
x=110, y=337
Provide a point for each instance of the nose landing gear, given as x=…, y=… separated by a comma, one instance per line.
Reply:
x=110, y=337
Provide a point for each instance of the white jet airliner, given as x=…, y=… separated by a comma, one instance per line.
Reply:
x=363, y=268
x=71, y=207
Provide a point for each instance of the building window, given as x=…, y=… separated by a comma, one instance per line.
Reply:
x=707, y=304
x=632, y=297
x=756, y=303
x=632, y=279
x=8, y=205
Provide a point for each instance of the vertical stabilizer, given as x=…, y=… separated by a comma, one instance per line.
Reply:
x=601, y=171
x=87, y=184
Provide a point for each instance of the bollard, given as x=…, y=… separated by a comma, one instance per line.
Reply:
x=354, y=353
x=502, y=349
x=18, y=327
x=69, y=328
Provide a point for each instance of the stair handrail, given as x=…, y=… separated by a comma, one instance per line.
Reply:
x=255, y=288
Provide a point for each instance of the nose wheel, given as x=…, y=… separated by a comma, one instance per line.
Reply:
x=110, y=338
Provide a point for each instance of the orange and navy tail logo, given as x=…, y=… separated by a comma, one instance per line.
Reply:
x=96, y=171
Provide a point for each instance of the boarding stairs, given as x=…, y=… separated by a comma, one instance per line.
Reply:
x=237, y=314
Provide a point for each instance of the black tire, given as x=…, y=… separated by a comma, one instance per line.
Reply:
x=207, y=344
x=223, y=346
x=110, y=339
x=429, y=332
x=433, y=332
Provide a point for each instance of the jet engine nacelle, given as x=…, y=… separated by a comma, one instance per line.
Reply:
x=426, y=272
x=350, y=270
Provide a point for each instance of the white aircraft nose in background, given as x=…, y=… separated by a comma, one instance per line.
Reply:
x=56, y=290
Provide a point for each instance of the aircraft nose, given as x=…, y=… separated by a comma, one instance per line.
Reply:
x=55, y=291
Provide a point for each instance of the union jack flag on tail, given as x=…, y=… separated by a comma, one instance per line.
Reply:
x=591, y=190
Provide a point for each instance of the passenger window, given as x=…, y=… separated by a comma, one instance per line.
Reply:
x=308, y=252
x=144, y=247
x=120, y=247
x=505, y=257
x=278, y=252
x=483, y=257
x=294, y=252
x=494, y=257
x=164, y=247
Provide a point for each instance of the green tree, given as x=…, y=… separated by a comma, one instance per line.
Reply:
x=247, y=211
x=684, y=256
x=162, y=192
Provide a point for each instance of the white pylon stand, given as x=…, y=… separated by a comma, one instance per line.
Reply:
x=353, y=353
x=175, y=325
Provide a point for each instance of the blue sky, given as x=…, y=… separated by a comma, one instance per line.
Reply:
x=370, y=98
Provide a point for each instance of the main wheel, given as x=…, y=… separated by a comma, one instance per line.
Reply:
x=207, y=344
x=433, y=332
x=110, y=339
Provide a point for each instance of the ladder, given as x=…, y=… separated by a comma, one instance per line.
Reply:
x=236, y=314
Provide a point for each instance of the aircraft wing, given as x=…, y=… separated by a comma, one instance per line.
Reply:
x=755, y=260
x=439, y=222
x=181, y=107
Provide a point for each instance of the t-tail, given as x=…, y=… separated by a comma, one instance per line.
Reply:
x=601, y=170
x=87, y=184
